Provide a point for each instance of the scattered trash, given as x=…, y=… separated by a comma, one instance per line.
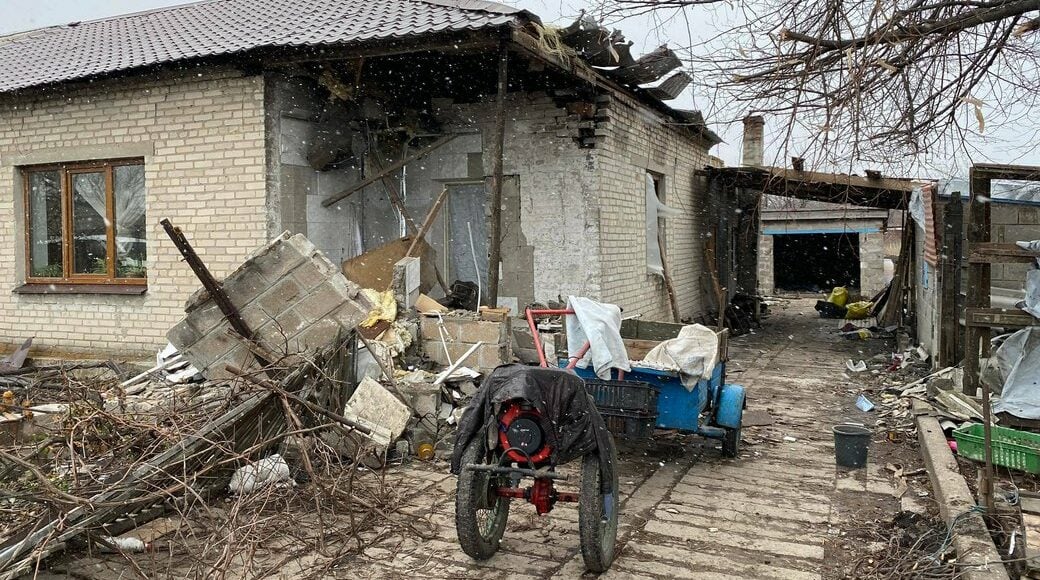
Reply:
x=857, y=367
x=790, y=439
x=864, y=404
x=249, y=478
x=127, y=544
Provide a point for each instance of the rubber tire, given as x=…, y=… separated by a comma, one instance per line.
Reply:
x=597, y=540
x=731, y=442
x=470, y=483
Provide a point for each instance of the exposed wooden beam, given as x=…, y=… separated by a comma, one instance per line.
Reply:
x=336, y=198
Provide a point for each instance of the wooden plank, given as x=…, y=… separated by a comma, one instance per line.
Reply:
x=999, y=171
x=949, y=352
x=998, y=317
x=673, y=300
x=637, y=348
x=335, y=198
x=996, y=253
x=649, y=329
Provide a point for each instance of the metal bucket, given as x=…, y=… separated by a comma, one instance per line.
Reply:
x=851, y=443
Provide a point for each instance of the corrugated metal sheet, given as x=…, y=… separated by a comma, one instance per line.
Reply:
x=222, y=27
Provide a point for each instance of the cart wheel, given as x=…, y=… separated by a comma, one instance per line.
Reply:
x=597, y=514
x=480, y=516
x=731, y=442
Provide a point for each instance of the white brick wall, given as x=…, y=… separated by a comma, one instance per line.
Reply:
x=637, y=140
x=202, y=136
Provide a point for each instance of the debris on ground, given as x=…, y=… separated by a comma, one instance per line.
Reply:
x=910, y=545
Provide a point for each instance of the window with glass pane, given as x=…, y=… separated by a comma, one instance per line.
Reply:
x=89, y=224
x=45, y=242
x=86, y=223
x=131, y=253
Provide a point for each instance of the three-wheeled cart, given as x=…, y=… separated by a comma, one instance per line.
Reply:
x=636, y=402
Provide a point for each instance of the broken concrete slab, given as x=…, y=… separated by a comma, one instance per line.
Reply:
x=293, y=299
x=375, y=407
x=975, y=548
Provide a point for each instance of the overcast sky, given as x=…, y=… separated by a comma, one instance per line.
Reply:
x=1001, y=144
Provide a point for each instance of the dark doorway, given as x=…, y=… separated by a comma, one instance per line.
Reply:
x=815, y=262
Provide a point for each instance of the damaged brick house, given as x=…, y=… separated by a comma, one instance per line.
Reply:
x=238, y=120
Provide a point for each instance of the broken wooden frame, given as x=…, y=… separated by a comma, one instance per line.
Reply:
x=979, y=317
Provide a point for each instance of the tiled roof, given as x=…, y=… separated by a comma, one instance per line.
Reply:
x=222, y=27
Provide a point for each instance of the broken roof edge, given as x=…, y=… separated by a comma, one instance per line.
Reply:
x=884, y=192
x=578, y=68
x=484, y=6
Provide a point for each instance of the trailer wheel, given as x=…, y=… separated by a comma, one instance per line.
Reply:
x=480, y=515
x=597, y=513
x=731, y=442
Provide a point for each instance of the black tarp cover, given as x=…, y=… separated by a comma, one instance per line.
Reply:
x=574, y=425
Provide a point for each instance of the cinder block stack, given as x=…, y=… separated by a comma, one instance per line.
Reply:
x=293, y=299
x=461, y=334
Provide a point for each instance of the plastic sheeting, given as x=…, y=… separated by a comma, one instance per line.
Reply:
x=600, y=325
x=654, y=210
x=1018, y=361
x=571, y=423
x=1032, y=302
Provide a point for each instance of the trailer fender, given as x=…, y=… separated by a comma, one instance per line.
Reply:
x=731, y=407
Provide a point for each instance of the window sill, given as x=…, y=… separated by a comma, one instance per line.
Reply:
x=117, y=289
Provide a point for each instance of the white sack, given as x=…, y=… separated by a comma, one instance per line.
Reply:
x=272, y=469
x=694, y=353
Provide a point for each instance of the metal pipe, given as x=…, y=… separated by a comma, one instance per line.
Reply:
x=523, y=471
x=531, y=313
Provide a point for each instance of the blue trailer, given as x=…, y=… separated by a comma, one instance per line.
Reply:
x=712, y=408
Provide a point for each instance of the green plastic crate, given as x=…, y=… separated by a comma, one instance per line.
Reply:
x=1011, y=448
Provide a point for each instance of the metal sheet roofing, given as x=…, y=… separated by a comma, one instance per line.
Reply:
x=222, y=27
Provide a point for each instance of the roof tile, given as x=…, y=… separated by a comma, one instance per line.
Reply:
x=222, y=27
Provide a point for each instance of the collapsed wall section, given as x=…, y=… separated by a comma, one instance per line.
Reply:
x=291, y=297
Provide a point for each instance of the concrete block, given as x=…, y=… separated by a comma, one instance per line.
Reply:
x=474, y=331
x=373, y=404
x=425, y=398
x=429, y=328
x=316, y=305
x=318, y=334
x=490, y=356
x=434, y=350
x=240, y=357
x=281, y=297
x=209, y=348
x=203, y=318
x=245, y=285
x=280, y=257
x=405, y=282
x=254, y=316
x=349, y=315
x=183, y=335
x=310, y=274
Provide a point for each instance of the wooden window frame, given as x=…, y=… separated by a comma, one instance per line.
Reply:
x=88, y=282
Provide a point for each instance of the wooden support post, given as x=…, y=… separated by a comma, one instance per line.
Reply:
x=216, y=291
x=977, y=338
x=497, y=151
x=950, y=282
x=672, y=298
